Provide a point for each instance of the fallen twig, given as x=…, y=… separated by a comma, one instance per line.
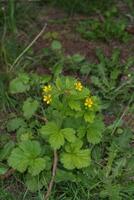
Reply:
x=28, y=47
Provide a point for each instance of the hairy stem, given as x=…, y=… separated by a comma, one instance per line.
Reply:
x=50, y=186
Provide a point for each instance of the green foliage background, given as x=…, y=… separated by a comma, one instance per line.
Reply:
x=111, y=171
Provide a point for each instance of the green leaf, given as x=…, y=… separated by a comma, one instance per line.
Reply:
x=15, y=123
x=27, y=156
x=36, y=166
x=77, y=160
x=96, y=81
x=72, y=122
x=3, y=169
x=45, y=79
x=51, y=130
x=26, y=136
x=94, y=136
x=69, y=82
x=111, y=191
x=4, y=138
x=56, y=140
x=30, y=106
x=69, y=134
x=74, y=147
x=94, y=131
x=58, y=83
x=89, y=117
x=18, y=160
x=57, y=117
x=32, y=182
x=5, y=152
x=124, y=140
x=56, y=45
x=48, y=129
x=30, y=148
x=119, y=166
x=57, y=70
x=74, y=105
x=19, y=84
x=81, y=131
x=62, y=175
x=77, y=95
x=85, y=69
x=56, y=137
x=78, y=58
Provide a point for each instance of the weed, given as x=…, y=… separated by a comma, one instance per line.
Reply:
x=107, y=75
x=107, y=29
x=94, y=29
x=4, y=195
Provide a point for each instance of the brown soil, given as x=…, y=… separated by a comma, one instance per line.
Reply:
x=72, y=41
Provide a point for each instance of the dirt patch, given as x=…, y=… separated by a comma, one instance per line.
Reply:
x=59, y=22
x=72, y=41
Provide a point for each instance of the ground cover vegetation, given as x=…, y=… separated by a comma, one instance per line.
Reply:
x=66, y=100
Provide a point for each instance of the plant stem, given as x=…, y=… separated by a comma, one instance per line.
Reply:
x=41, y=118
x=55, y=162
x=12, y=15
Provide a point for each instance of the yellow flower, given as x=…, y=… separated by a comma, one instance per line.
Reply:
x=47, y=88
x=47, y=98
x=88, y=102
x=78, y=86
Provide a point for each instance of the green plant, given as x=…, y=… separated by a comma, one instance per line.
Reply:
x=72, y=127
x=54, y=138
x=4, y=195
x=107, y=77
x=6, y=101
x=107, y=29
x=64, y=64
x=11, y=10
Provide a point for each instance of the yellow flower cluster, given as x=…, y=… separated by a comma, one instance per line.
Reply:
x=47, y=89
x=88, y=102
x=78, y=86
x=47, y=97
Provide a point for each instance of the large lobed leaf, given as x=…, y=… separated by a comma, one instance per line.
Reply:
x=15, y=123
x=94, y=131
x=76, y=160
x=56, y=136
x=30, y=106
x=19, y=84
x=27, y=156
x=75, y=157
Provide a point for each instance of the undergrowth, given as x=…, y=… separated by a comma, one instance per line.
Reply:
x=77, y=110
